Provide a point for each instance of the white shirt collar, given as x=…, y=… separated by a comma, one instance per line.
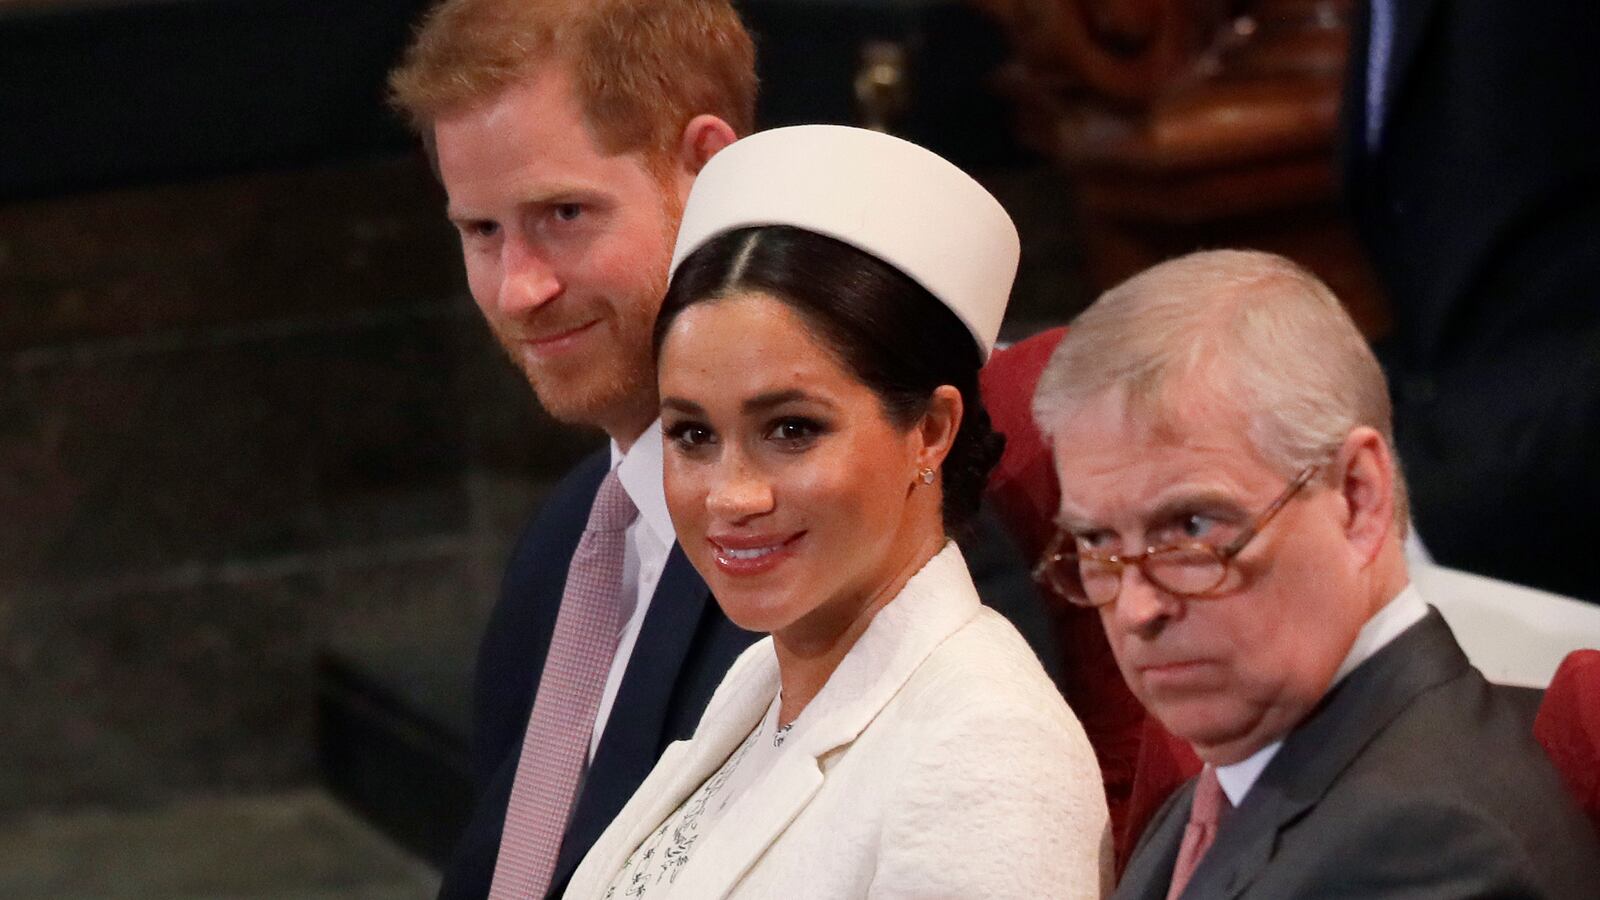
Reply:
x=1406, y=609
x=639, y=470
x=1237, y=778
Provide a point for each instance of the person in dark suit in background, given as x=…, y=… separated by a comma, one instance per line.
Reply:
x=1231, y=505
x=1471, y=168
x=567, y=135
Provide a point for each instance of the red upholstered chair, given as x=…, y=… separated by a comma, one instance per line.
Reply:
x=1568, y=726
x=1165, y=763
x=1140, y=762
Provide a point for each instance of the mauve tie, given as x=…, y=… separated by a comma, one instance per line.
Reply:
x=1207, y=808
x=556, y=744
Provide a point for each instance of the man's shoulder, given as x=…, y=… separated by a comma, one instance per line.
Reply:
x=559, y=518
x=1458, y=773
x=577, y=487
x=1443, y=733
x=1414, y=743
x=1463, y=743
x=1464, y=815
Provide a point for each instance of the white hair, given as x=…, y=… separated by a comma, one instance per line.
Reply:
x=1251, y=330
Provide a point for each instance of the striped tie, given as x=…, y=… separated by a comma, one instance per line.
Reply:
x=556, y=745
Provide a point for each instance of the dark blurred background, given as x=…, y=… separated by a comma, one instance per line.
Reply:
x=260, y=462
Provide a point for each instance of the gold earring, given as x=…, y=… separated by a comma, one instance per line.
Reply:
x=927, y=475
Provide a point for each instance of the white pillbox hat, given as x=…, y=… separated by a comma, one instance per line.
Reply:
x=889, y=197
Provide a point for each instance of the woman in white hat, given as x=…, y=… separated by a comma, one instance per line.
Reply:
x=834, y=294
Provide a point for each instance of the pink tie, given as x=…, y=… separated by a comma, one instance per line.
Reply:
x=556, y=744
x=1208, y=806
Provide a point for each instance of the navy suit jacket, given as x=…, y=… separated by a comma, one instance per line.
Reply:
x=1413, y=778
x=685, y=646
x=1480, y=210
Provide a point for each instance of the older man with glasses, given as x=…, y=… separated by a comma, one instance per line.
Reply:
x=1231, y=504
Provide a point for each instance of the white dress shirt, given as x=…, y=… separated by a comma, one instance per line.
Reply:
x=1405, y=610
x=649, y=543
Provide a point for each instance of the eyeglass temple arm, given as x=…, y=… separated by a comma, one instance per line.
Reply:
x=1237, y=544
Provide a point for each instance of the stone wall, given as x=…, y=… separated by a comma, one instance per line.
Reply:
x=238, y=418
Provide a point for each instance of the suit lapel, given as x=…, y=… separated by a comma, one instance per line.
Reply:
x=1321, y=748
x=1411, y=19
x=751, y=826
x=633, y=738
x=1150, y=867
x=686, y=765
x=1353, y=104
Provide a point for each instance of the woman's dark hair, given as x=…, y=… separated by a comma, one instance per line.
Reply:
x=896, y=337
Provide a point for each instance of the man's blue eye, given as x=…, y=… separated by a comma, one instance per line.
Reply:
x=1198, y=526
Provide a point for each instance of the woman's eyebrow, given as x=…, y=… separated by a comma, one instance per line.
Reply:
x=680, y=405
x=770, y=399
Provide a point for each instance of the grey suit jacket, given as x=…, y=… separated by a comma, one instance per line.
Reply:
x=1413, y=778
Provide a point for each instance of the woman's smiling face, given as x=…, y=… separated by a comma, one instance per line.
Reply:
x=791, y=490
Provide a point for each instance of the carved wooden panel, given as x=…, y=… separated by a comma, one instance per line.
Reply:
x=1193, y=123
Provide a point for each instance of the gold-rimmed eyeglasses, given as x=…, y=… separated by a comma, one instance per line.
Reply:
x=1086, y=578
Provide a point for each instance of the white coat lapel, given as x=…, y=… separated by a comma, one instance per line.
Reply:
x=749, y=827
x=934, y=604
x=732, y=714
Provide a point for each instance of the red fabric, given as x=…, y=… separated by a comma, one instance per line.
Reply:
x=1165, y=762
x=1138, y=759
x=1022, y=488
x=1568, y=727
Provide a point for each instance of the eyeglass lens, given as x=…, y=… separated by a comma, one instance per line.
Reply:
x=1179, y=570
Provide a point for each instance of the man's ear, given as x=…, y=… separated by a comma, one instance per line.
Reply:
x=937, y=430
x=1366, y=473
x=702, y=138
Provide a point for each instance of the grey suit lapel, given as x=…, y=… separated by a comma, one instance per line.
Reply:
x=1150, y=867
x=1323, y=746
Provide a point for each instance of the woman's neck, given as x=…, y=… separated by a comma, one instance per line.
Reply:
x=810, y=650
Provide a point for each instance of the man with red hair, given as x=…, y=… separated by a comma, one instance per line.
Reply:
x=567, y=134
